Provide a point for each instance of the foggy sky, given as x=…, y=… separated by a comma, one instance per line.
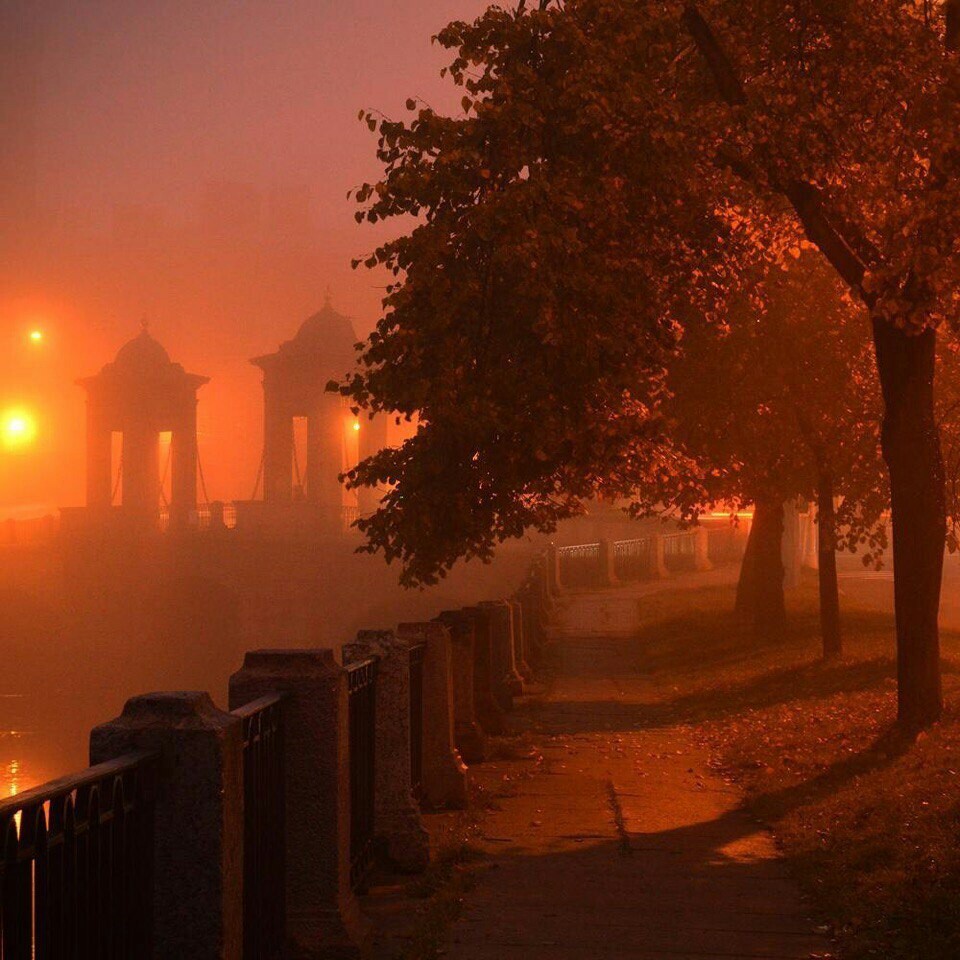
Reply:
x=187, y=160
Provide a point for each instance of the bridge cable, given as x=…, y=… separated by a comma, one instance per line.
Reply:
x=116, y=483
x=203, y=482
x=256, y=483
x=166, y=473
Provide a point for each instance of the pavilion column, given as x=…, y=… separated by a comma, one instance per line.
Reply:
x=99, y=451
x=325, y=443
x=183, y=490
x=277, y=448
x=141, y=470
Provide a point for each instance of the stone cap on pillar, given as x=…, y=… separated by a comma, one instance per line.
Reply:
x=300, y=659
x=423, y=630
x=180, y=709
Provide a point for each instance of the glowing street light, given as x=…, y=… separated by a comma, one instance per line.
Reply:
x=356, y=424
x=17, y=429
x=36, y=336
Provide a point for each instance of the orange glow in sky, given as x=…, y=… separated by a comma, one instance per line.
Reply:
x=18, y=429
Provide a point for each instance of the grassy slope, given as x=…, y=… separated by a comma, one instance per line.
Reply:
x=870, y=822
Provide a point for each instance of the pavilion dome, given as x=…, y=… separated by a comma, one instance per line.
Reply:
x=327, y=331
x=142, y=356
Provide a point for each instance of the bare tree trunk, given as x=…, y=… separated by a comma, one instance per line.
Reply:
x=827, y=569
x=911, y=448
x=760, y=599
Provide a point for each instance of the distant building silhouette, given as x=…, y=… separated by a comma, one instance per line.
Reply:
x=140, y=395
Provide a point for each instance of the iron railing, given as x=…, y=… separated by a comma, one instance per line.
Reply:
x=264, y=850
x=580, y=565
x=361, y=683
x=679, y=551
x=417, y=652
x=76, y=870
x=633, y=559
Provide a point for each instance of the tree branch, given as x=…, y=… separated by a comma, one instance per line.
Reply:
x=843, y=244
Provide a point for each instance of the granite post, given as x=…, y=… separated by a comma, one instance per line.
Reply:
x=520, y=640
x=396, y=815
x=444, y=773
x=659, y=564
x=608, y=563
x=468, y=736
x=506, y=678
x=197, y=902
x=701, y=548
x=489, y=713
x=323, y=918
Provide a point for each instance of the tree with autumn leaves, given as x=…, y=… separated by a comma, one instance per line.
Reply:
x=780, y=404
x=619, y=167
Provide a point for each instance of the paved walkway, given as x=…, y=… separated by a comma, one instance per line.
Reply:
x=625, y=846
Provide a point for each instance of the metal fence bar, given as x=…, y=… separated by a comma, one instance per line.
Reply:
x=679, y=551
x=633, y=559
x=580, y=565
x=264, y=840
x=417, y=653
x=361, y=683
x=76, y=866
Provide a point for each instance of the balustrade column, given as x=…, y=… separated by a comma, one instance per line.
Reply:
x=608, y=564
x=520, y=640
x=197, y=903
x=396, y=816
x=658, y=569
x=507, y=682
x=469, y=738
x=323, y=918
x=701, y=548
x=488, y=710
x=444, y=773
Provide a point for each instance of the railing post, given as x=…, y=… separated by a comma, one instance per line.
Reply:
x=520, y=640
x=701, y=548
x=659, y=565
x=608, y=573
x=553, y=583
x=507, y=680
x=489, y=713
x=323, y=918
x=444, y=773
x=468, y=736
x=197, y=903
x=396, y=817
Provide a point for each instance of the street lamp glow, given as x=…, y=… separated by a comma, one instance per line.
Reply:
x=356, y=424
x=36, y=336
x=17, y=429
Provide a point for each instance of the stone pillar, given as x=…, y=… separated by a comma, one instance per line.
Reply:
x=198, y=834
x=325, y=445
x=553, y=584
x=183, y=468
x=701, y=548
x=507, y=682
x=141, y=471
x=520, y=640
x=396, y=816
x=277, y=446
x=323, y=919
x=99, y=451
x=608, y=560
x=488, y=710
x=468, y=736
x=658, y=566
x=444, y=773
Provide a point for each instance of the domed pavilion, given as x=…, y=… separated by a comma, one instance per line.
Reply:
x=140, y=395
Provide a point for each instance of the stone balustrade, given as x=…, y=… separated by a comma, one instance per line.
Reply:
x=263, y=819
